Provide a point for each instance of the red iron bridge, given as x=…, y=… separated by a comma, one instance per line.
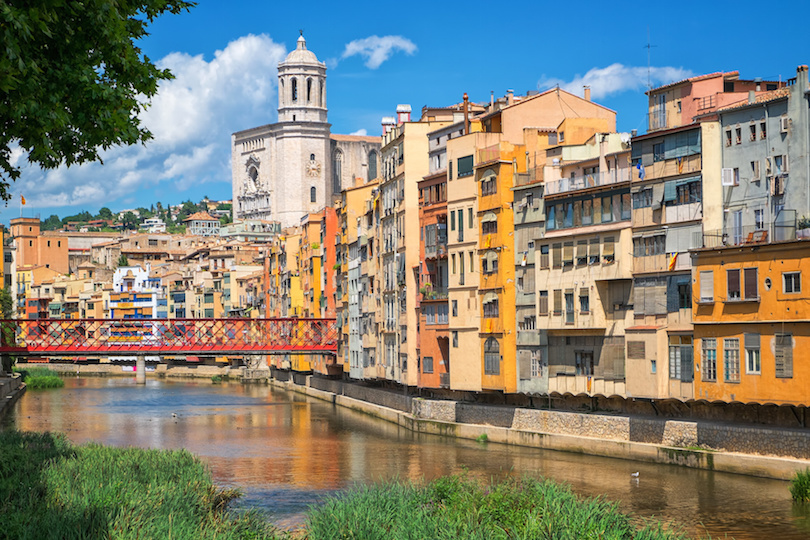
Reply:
x=141, y=337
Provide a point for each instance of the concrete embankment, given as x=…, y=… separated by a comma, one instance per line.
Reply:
x=11, y=388
x=742, y=449
x=118, y=370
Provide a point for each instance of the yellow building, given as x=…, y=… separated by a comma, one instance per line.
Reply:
x=750, y=320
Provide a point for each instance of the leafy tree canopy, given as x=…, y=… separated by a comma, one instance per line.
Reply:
x=82, y=216
x=72, y=81
x=104, y=213
x=53, y=223
x=130, y=221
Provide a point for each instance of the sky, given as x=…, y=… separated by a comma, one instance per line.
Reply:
x=224, y=56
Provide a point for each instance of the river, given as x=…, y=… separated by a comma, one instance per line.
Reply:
x=286, y=451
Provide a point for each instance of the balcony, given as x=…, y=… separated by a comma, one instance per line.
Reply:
x=566, y=185
x=490, y=153
x=529, y=338
x=751, y=235
x=684, y=212
x=657, y=119
x=529, y=177
x=524, y=299
x=434, y=293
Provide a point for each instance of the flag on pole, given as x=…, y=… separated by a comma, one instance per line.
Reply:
x=22, y=200
x=672, y=260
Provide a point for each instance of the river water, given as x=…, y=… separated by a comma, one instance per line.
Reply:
x=286, y=451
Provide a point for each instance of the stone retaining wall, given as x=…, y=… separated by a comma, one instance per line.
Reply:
x=745, y=439
x=385, y=398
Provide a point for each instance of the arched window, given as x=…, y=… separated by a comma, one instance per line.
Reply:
x=294, y=90
x=492, y=357
x=372, y=165
x=337, y=171
x=312, y=157
x=309, y=90
x=321, y=95
x=281, y=93
x=313, y=194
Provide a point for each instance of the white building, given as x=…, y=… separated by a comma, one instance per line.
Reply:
x=154, y=225
x=284, y=170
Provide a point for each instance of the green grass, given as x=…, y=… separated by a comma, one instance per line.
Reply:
x=38, y=378
x=800, y=486
x=50, y=488
x=458, y=507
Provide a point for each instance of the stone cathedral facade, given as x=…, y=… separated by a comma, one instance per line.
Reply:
x=285, y=170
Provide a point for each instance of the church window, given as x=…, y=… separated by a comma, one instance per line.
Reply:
x=309, y=90
x=313, y=194
x=372, y=165
x=337, y=171
x=294, y=90
x=312, y=157
x=321, y=95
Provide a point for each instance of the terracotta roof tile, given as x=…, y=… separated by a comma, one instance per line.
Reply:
x=764, y=97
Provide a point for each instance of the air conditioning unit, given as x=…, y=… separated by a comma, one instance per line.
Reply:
x=784, y=122
x=728, y=177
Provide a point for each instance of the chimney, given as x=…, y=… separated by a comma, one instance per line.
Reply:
x=403, y=114
x=587, y=92
x=758, y=80
x=388, y=123
x=510, y=95
x=466, y=114
x=633, y=132
x=752, y=96
x=491, y=99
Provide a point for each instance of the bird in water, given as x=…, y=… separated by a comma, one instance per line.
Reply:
x=634, y=475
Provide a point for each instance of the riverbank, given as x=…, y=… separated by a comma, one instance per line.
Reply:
x=52, y=488
x=662, y=441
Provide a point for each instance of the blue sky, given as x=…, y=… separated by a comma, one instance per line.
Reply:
x=224, y=56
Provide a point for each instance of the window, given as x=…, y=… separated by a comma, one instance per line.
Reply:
x=685, y=295
x=455, y=338
x=582, y=252
x=752, y=358
x=313, y=194
x=709, y=359
x=490, y=306
x=792, y=282
x=453, y=262
x=337, y=171
x=738, y=135
x=658, y=151
x=452, y=220
x=783, y=355
x=489, y=185
x=544, y=256
x=731, y=360
x=542, y=303
x=584, y=301
x=584, y=362
x=733, y=282
x=465, y=166
x=568, y=254
x=752, y=132
x=608, y=253
x=759, y=219
x=294, y=89
x=728, y=137
x=569, y=307
x=537, y=366
x=470, y=217
x=763, y=132
x=680, y=358
x=492, y=357
x=489, y=262
x=750, y=285
x=209, y=313
x=372, y=165
x=707, y=286
x=755, y=170
x=643, y=198
x=557, y=302
x=427, y=364
x=455, y=308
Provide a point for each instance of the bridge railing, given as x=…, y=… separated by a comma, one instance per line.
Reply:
x=87, y=337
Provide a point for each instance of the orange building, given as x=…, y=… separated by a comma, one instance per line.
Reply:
x=34, y=249
x=432, y=303
x=750, y=316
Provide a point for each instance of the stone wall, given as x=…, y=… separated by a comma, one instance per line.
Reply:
x=385, y=398
x=737, y=438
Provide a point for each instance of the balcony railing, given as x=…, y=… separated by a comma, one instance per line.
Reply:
x=490, y=153
x=657, y=119
x=528, y=177
x=565, y=185
x=751, y=235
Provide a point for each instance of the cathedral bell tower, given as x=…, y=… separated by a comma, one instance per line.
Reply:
x=301, y=86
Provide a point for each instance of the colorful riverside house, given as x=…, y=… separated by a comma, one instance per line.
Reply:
x=357, y=312
x=584, y=267
x=404, y=164
x=677, y=196
x=751, y=321
x=495, y=166
x=310, y=251
x=135, y=293
x=433, y=338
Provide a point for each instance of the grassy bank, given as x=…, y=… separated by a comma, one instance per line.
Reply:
x=458, y=507
x=36, y=378
x=50, y=488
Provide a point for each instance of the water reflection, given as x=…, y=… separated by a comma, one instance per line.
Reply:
x=286, y=451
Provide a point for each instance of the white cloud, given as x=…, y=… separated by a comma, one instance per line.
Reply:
x=376, y=49
x=361, y=132
x=616, y=78
x=191, y=118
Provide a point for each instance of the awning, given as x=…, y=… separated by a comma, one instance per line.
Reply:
x=490, y=297
x=488, y=217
